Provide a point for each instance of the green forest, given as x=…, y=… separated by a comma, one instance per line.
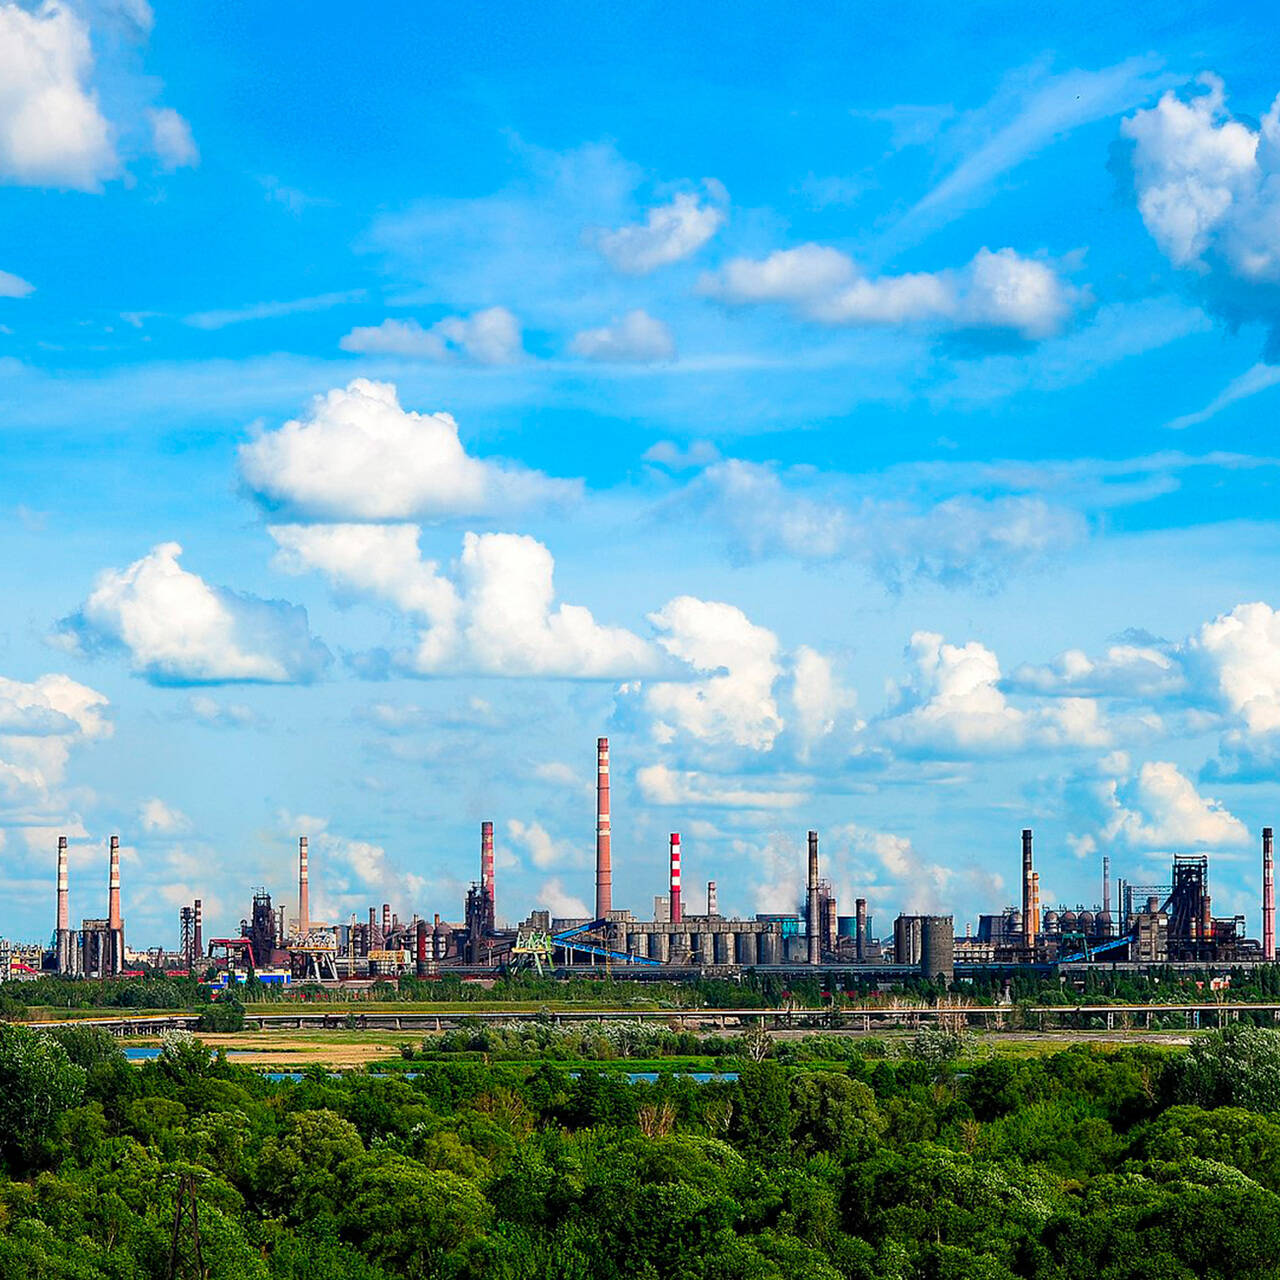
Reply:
x=527, y=1153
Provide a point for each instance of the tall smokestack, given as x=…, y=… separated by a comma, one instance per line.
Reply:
x=713, y=900
x=304, y=890
x=373, y=942
x=64, y=901
x=1035, y=905
x=860, y=917
x=1028, y=923
x=1268, y=897
x=386, y=923
x=197, y=930
x=420, y=958
x=811, y=920
x=1106, y=884
x=604, y=868
x=675, y=877
x=486, y=859
x=114, y=920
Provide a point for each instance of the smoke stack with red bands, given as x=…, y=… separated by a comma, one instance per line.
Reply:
x=604, y=867
x=675, y=877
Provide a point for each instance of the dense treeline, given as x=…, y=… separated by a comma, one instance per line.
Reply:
x=1123, y=1164
x=836, y=989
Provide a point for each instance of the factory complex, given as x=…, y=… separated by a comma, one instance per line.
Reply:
x=1138, y=925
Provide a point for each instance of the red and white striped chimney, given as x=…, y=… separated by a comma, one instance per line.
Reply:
x=604, y=867
x=64, y=903
x=486, y=857
x=304, y=890
x=1268, y=897
x=675, y=877
x=114, y=919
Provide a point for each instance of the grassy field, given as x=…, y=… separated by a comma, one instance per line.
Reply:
x=294, y=1050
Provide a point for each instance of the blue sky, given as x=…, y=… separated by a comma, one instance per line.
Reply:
x=864, y=419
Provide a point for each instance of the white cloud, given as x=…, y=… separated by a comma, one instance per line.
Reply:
x=52, y=132
x=953, y=706
x=996, y=290
x=172, y=140
x=819, y=701
x=541, y=849
x=661, y=785
x=1208, y=190
x=497, y=615
x=221, y=318
x=1159, y=810
x=1124, y=670
x=158, y=818
x=733, y=702
x=12, y=286
x=958, y=540
x=636, y=338
x=357, y=455
x=1237, y=657
x=1260, y=377
x=1202, y=180
x=669, y=233
x=40, y=722
x=560, y=902
x=491, y=336
x=346, y=872
x=177, y=629
x=668, y=454
x=231, y=715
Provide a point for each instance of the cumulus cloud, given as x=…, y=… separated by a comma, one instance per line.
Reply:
x=1208, y=190
x=491, y=336
x=1239, y=652
x=560, y=902
x=956, y=541
x=40, y=722
x=353, y=869
x=953, y=706
x=636, y=338
x=357, y=455
x=158, y=818
x=228, y=715
x=1124, y=670
x=819, y=702
x=496, y=616
x=996, y=290
x=661, y=785
x=12, y=286
x=542, y=850
x=172, y=140
x=732, y=701
x=1159, y=810
x=177, y=629
x=669, y=233
x=52, y=131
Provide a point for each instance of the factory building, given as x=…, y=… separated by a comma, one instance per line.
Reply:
x=1147, y=924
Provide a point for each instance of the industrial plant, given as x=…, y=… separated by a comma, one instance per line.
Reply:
x=1137, y=925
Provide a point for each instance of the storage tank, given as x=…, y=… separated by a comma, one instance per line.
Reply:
x=938, y=947
x=1069, y=921
x=1051, y=922
x=1084, y=922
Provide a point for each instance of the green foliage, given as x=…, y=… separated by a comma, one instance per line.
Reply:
x=38, y=1083
x=824, y=1159
x=223, y=1015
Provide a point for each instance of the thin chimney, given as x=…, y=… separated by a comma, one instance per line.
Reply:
x=811, y=921
x=197, y=944
x=1028, y=907
x=1268, y=897
x=604, y=868
x=114, y=919
x=304, y=890
x=713, y=901
x=487, y=886
x=64, y=902
x=675, y=877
